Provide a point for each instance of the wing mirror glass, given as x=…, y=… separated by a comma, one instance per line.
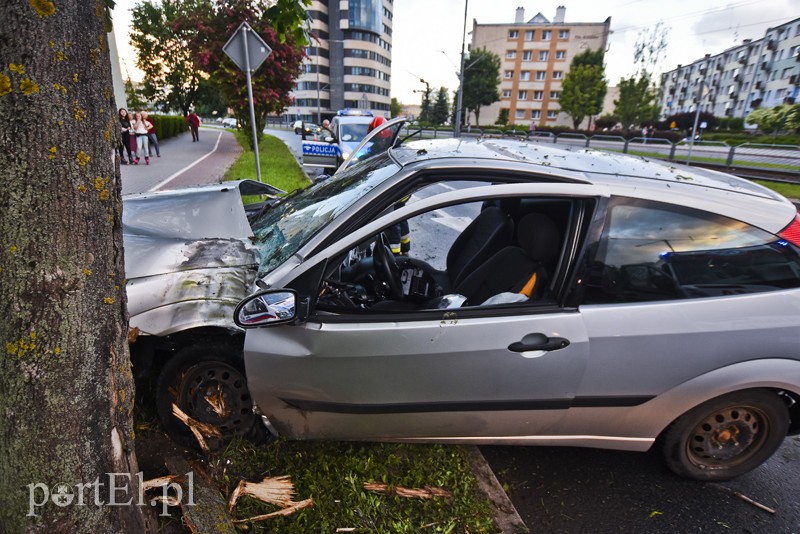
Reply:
x=270, y=307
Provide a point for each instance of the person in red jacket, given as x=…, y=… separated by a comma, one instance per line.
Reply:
x=194, y=125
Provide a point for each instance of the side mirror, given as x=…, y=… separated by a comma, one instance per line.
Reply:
x=274, y=306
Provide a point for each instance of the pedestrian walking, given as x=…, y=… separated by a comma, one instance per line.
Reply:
x=140, y=126
x=125, y=136
x=194, y=126
x=151, y=135
x=644, y=134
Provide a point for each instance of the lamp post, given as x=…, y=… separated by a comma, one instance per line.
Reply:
x=460, y=98
x=697, y=106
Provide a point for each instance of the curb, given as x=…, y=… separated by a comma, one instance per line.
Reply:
x=506, y=518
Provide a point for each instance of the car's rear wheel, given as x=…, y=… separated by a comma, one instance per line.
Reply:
x=207, y=382
x=298, y=131
x=727, y=436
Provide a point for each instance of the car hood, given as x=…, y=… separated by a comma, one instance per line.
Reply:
x=193, y=228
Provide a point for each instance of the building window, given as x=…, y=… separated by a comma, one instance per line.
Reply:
x=536, y=114
x=527, y=55
x=561, y=54
x=506, y=93
x=538, y=95
x=529, y=35
x=541, y=75
x=546, y=35
x=525, y=75
x=563, y=34
x=552, y=114
x=519, y=114
x=557, y=74
x=522, y=95
x=508, y=75
x=554, y=95
x=511, y=54
x=513, y=34
x=543, y=55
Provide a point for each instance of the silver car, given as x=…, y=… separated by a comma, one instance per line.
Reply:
x=552, y=296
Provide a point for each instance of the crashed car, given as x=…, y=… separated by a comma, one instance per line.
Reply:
x=553, y=296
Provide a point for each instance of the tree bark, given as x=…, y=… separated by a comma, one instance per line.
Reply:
x=66, y=390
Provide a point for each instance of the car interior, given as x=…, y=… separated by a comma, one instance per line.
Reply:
x=507, y=253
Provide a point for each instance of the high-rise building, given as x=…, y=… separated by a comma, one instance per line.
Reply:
x=349, y=64
x=757, y=73
x=535, y=57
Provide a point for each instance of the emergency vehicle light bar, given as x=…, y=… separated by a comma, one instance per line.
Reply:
x=354, y=112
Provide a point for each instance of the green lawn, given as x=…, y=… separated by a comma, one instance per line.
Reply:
x=787, y=190
x=278, y=166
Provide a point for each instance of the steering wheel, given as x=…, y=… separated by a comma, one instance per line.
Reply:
x=386, y=267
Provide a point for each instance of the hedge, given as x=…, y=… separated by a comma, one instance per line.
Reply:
x=169, y=125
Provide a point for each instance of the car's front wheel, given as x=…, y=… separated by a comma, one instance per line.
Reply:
x=298, y=131
x=727, y=436
x=207, y=382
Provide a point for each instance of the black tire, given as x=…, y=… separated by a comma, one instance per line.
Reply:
x=188, y=380
x=298, y=131
x=727, y=436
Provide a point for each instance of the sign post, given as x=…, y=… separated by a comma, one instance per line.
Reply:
x=248, y=50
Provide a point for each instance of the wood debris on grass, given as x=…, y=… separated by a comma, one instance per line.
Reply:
x=420, y=493
x=133, y=334
x=158, y=482
x=273, y=490
x=198, y=428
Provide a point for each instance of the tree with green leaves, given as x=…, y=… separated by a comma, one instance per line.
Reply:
x=395, y=107
x=584, y=87
x=441, y=107
x=171, y=79
x=636, y=103
x=426, y=108
x=134, y=97
x=773, y=119
x=65, y=372
x=280, y=24
x=481, y=80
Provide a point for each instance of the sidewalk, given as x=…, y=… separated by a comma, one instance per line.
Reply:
x=183, y=163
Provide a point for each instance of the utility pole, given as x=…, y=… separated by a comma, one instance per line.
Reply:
x=460, y=99
x=697, y=107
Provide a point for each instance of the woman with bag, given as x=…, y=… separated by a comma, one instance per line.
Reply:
x=125, y=142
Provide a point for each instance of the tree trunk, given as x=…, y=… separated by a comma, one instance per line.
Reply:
x=66, y=390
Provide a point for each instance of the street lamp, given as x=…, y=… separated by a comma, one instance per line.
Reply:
x=699, y=100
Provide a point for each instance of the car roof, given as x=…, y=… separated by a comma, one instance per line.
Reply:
x=623, y=174
x=354, y=119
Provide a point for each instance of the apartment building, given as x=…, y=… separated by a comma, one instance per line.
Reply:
x=535, y=58
x=349, y=64
x=757, y=73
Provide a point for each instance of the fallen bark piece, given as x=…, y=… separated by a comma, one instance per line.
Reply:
x=157, y=482
x=420, y=493
x=283, y=512
x=201, y=502
x=133, y=334
x=198, y=428
x=272, y=490
x=754, y=503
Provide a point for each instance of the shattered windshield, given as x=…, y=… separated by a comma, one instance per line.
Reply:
x=282, y=230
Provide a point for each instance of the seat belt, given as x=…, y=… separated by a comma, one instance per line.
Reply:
x=527, y=289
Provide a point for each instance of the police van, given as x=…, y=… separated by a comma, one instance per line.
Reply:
x=331, y=147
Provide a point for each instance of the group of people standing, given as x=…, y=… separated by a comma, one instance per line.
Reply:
x=140, y=128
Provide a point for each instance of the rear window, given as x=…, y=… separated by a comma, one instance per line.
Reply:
x=652, y=251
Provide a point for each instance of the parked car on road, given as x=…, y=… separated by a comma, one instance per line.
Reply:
x=553, y=296
x=230, y=122
x=308, y=127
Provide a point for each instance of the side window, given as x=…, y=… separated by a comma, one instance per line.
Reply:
x=651, y=251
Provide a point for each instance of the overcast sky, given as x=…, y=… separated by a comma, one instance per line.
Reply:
x=427, y=34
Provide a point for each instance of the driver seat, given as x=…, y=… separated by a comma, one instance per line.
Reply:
x=512, y=268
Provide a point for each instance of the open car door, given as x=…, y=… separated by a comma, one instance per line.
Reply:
x=376, y=142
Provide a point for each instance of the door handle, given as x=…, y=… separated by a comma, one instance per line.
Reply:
x=533, y=342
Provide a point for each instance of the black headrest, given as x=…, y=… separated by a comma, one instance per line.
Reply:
x=538, y=237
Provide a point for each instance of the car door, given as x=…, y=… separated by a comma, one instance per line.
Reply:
x=478, y=374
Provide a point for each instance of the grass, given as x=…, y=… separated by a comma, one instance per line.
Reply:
x=705, y=159
x=787, y=190
x=334, y=473
x=278, y=166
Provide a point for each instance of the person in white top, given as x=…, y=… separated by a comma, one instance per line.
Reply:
x=140, y=127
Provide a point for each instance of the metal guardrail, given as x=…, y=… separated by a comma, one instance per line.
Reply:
x=758, y=158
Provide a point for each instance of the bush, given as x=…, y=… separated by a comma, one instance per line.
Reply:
x=169, y=125
x=731, y=124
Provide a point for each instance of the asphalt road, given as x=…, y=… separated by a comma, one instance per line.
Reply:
x=567, y=490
